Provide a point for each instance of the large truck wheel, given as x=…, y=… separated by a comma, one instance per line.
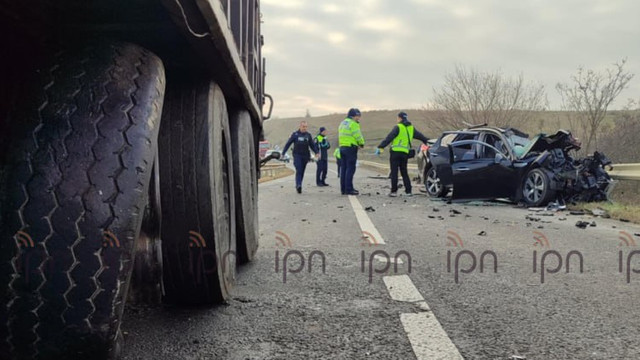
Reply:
x=245, y=172
x=196, y=183
x=73, y=185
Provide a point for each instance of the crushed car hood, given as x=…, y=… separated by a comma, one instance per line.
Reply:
x=563, y=140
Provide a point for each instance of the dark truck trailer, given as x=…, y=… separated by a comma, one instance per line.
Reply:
x=129, y=135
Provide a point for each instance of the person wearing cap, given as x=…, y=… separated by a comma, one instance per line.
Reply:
x=302, y=142
x=336, y=154
x=350, y=140
x=322, y=144
x=400, y=139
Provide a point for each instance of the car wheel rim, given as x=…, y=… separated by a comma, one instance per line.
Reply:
x=433, y=183
x=534, y=187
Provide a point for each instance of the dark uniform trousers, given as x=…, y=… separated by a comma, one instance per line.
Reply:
x=399, y=160
x=349, y=157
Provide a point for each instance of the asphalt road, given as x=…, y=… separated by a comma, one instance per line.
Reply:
x=370, y=309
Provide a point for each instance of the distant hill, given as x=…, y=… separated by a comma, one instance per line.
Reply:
x=375, y=126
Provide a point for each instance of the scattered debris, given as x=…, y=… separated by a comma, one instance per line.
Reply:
x=598, y=212
x=556, y=206
x=577, y=213
x=593, y=224
x=636, y=234
x=531, y=218
x=625, y=220
x=436, y=210
x=486, y=218
x=303, y=220
x=562, y=219
x=454, y=211
x=431, y=217
x=540, y=227
x=582, y=224
x=377, y=193
x=536, y=209
x=335, y=221
x=340, y=207
x=482, y=233
x=369, y=209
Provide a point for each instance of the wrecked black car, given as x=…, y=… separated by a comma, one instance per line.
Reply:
x=485, y=162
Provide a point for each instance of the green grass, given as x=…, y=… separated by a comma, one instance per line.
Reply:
x=615, y=210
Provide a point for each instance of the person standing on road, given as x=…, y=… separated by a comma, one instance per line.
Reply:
x=322, y=144
x=302, y=142
x=350, y=139
x=338, y=160
x=400, y=139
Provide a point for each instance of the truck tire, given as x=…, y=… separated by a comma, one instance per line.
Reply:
x=196, y=183
x=245, y=172
x=72, y=188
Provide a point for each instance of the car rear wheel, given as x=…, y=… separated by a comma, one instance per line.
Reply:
x=536, y=189
x=434, y=186
x=196, y=183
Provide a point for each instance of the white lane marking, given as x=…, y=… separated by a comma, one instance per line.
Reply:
x=365, y=223
x=401, y=288
x=427, y=337
x=385, y=259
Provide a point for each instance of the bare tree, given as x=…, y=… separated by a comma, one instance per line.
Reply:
x=587, y=98
x=471, y=96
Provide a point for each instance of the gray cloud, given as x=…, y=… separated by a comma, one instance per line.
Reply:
x=327, y=56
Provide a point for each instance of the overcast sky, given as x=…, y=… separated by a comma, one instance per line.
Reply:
x=329, y=55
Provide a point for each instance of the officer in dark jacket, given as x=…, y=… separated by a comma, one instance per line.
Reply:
x=400, y=139
x=322, y=144
x=302, y=141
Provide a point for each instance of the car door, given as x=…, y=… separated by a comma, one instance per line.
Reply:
x=440, y=156
x=478, y=176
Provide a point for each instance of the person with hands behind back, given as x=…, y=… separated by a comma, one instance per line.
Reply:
x=350, y=140
x=400, y=139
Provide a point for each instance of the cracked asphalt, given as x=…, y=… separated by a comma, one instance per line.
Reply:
x=344, y=313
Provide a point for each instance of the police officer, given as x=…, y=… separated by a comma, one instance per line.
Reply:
x=350, y=139
x=322, y=144
x=400, y=139
x=302, y=142
x=338, y=160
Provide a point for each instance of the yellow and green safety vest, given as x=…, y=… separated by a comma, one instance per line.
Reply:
x=349, y=133
x=402, y=142
x=337, y=153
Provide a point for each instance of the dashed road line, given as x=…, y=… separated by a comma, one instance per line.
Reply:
x=401, y=288
x=427, y=337
x=363, y=220
x=385, y=259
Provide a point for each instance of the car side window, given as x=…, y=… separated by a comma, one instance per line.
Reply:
x=464, y=152
x=487, y=152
